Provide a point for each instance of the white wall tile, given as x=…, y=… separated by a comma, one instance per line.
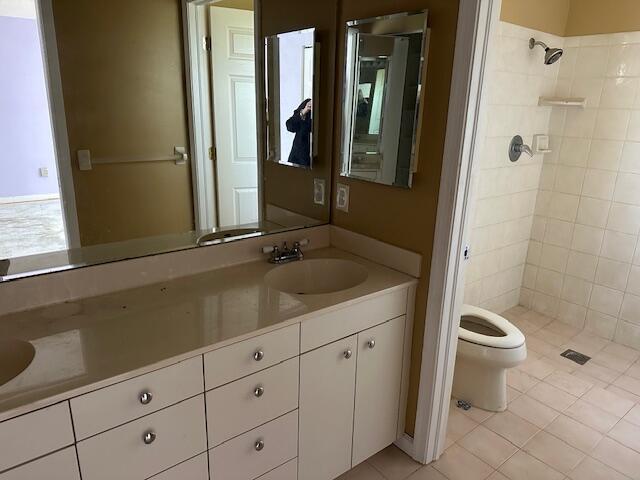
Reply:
x=587, y=239
x=582, y=265
x=611, y=124
x=576, y=290
x=612, y=273
x=605, y=154
x=627, y=188
x=630, y=159
x=599, y=184
x=624, y=61
x=605, y=300
x=624, y=218
x=618, y=246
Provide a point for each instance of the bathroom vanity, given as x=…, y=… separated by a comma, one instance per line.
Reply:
x=215, y=376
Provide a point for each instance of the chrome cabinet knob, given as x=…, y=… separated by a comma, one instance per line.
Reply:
x=259, y=391
x=348, y=353
x=258, y=355
x=148, y=437
x=259, y=445
x=371, y=343
x=145, y=397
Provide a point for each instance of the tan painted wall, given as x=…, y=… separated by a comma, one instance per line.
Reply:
x=287, y=187
x=239, y=4
x=545, y=15
x=405, y=218
x=590, y=17
x=574, y=17
x=123, y=82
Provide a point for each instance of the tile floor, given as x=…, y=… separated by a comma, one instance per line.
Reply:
x=563, y=421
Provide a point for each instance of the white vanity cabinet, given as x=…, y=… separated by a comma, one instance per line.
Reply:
x=349, y=400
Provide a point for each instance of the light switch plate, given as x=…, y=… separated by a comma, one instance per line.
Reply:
x=43, y=171
x=342, y=197
x=318, y=191
x=84, y=160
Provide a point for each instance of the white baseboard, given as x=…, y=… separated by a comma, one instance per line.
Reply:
x=405, y=443
x=29, y=198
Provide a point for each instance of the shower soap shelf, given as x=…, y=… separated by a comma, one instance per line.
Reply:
x=562, y=102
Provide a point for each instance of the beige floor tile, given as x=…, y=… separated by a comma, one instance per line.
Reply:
x=629, y=384
x=427, y=473
x=588, y=378
x=563, y=329
x=515, y=429
x=591, y=340
x=520, y=380
x=574, y=433
x=627, y=434
x=600, y=372
x=622, y=351
x=551, y=396
x=561, y=363
x=538, y=345
x=591, y=416
x=533, y=411
x=623, y=393
x=537, y=318
x=612, y=361
x=549, y=336
x=512, y=394
x=554, y=452
x=591, y=469
x=458, y=425
x=515, y=312
x=634, y=371
x=497, y=476
x=393, y=463
x=538, y=368
x=618, y=457
x=488, y=446
x=582, y=345
x=478, y=415
x=525, y=326
x=633, y=416
x=523, y=466
x=458, y=464
x=364, y=471
x=569, y=383
x=608, y=401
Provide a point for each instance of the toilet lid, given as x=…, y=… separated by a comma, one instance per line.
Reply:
x=513, y=336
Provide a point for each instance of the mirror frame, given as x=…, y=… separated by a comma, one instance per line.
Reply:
x=348, y=97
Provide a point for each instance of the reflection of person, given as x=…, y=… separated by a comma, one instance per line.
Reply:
x=363, y=105
x=300, y=124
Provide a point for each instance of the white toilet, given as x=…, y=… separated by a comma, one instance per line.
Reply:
x=488, y=344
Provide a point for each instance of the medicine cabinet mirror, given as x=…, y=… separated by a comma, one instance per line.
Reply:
x=383, y=78
x=291, y=86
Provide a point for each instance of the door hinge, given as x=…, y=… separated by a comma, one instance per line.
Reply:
x=212, y=153
x=206, y=43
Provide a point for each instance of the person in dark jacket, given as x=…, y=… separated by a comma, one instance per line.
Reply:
x=300, y=124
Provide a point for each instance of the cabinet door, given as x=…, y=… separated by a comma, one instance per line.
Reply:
x=377, y=388
x=327, y=383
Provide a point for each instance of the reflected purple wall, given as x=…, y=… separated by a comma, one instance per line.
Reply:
x=26, y=142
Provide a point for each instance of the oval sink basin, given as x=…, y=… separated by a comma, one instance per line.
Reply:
x=15, y=357
x=316, y=276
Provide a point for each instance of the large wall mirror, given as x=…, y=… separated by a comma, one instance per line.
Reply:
x=383, y=78
x=291, y=81
x=131, y=128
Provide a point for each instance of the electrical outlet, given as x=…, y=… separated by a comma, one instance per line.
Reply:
x=342, y=197
x=318, y=191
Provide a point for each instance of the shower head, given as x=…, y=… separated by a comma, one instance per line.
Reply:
x=551, y=55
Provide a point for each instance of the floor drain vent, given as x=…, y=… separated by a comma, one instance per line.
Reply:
x=577, y=357
x=463, y=405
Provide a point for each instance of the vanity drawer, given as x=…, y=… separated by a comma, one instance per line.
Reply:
x=249, y=356
x=324, y=329
x=242, y=459
x=196, y=468
x=111, y=406
x=35, y=434
x=288, y=471
x=122, y=453
x=62, y=465
x=251, y=401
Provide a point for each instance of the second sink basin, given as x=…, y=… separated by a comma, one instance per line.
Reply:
x=316, y=276
x=15, y=357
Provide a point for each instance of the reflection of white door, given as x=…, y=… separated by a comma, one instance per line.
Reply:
x=234, y=103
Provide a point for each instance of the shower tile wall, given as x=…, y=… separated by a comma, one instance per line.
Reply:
x=504, y=193
x=583, y=262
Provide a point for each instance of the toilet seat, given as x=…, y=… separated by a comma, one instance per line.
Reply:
x=513, y=337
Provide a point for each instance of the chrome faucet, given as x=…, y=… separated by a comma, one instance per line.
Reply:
x=285, y=254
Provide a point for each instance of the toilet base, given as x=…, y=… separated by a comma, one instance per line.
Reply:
x=482, y=385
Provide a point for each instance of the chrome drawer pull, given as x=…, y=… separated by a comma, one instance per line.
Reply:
x=259, y=445
x=347, y=354
x=145, y=397
x=149, y=437
x=259, y=391
x=371, y=343
x=258, y=355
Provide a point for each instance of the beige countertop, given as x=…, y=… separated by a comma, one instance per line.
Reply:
x=86, y=344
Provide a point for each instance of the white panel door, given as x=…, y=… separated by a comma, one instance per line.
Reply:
x=327, y=382
x=234, y=105
x=377, y=388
